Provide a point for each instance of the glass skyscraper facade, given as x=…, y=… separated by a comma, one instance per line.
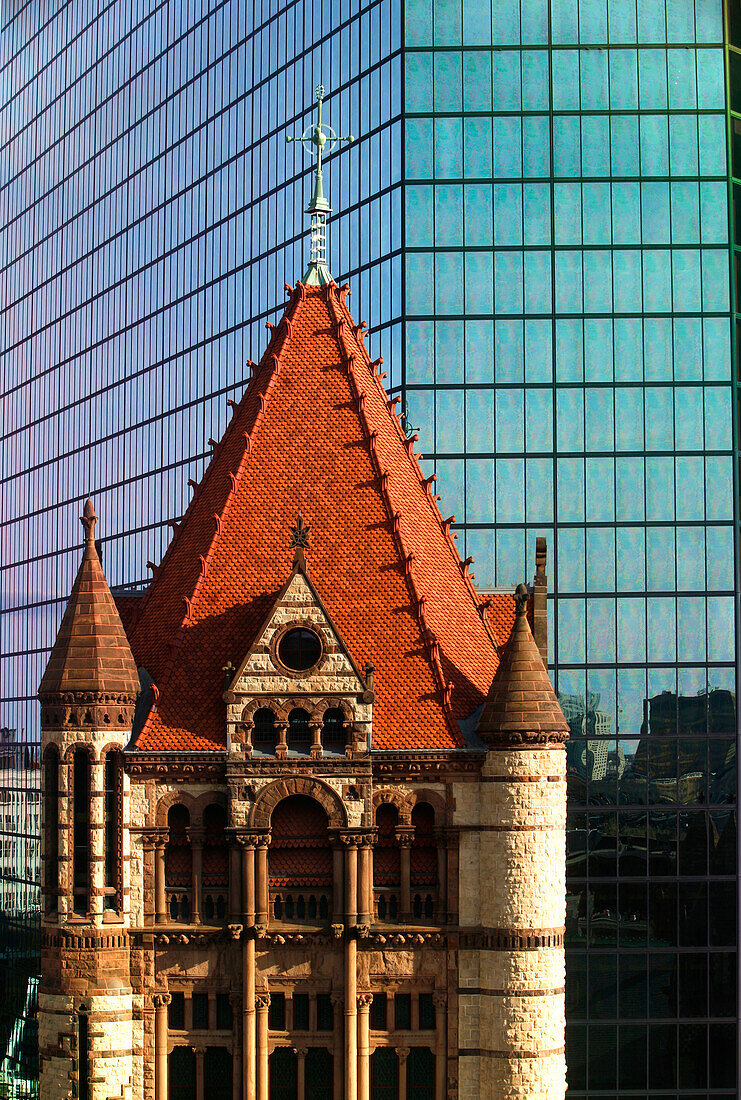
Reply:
x=536, y=224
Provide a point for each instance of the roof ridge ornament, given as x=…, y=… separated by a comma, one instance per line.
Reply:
x=88, y=519
x=299, y=541
x=318, y=139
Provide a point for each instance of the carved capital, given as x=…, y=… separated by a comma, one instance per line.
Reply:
x=300, y=1051
x=235, y=931
x=263, y=840
x=262, y=1001
x=365, y=1000
x=161, y=999
x=246, y=840
x=439, y=999
x=350, y=840
x=362, y=931
x=337, y=1000
x=404, y=835
x=402, y=1053
x=337, y=931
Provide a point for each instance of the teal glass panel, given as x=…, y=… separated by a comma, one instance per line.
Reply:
x=567, y=213
x=598, y=345
x=655, y=213
x=596, y=204
x=565, y=21
x=476, y=22
x=712, y=143
x=539, y=350
x=538, y=420
x=479, y=338
x=631, y=559
x=715, y=281
x=418, y=85
x=536, y=214
x=507, y=147
x=595, y=145
x=448, y=282
x=687, y=349
x=565, y=77
x=569, y=282
x=506, y=79
x=509, y=351
x=569, y=350
x=566, y=146
x=510, y=490
x=597, y=282
x=449, y=215
x=572, y=561
x=507, y=214
x=510, y=421
x=654, y=145
x=449, y=421
x=479, y=420
x=630, y=506
x=446, y=22
x=628, y=281
x=536, y=94
x=594, y=82
x=539, y=490
x=480, y=495
x=478, y=214
x=477, y=148
x=658, y=349
x=622, y=25
x=593, y=21
x=446, y=89
x=657, y=297
x=479, y=283
x=683, y=145
x=624, y=145
x=505, y=29
x=719, y=498
x=717, y=418
x=710, y=80
x=626, y=213
x=570, y=490
x=651, y=21
x=420, y=348
x=420, y=216
x=536, y=153
x=623, y=80
x=477, y=81
x=420, y=283
x=714, y=212
x=448, y=148
x=534, y=16
x=508, y=282
x=537, y=275
x=600, y=490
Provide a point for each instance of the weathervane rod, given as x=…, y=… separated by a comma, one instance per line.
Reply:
x=318, y=139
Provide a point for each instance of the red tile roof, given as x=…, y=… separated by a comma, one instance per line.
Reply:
x=315, y=433
x=91, y=654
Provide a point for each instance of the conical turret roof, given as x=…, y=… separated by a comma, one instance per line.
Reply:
x=92, y=654
x=521, y=707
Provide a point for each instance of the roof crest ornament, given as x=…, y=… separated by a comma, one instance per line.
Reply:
x=88, y=519
x=318, y=139
x=299, y=541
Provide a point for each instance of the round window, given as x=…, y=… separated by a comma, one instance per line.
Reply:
x=299, y=649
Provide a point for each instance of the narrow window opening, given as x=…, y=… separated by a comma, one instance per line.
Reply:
x=264, y=734
x=81, y=833
x=51, y=828
x=83, y=1056
x=112, y=831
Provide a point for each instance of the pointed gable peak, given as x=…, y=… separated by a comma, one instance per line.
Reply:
x=521, y=709
x=91, y=656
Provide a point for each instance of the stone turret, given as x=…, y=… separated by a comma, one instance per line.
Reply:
x=512, y=926
x=88, y=693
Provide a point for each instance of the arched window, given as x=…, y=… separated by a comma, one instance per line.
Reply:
x=51, y=827
x=300, y=861
x=299, y=737
x=387, y=863
x=333, y=730
x=423, y=865
x=81, y=832
x=181, y=1073
x=178, y=863
x=420, y=1073
x=215, y=863
x=112, y=839
x=264, y=733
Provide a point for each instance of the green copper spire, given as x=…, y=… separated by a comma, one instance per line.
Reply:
x=318, y=140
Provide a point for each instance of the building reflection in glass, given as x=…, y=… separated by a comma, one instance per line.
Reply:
x=651, y=909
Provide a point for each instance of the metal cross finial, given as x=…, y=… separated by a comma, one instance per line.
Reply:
x=318, y=139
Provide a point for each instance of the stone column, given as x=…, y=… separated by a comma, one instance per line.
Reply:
x=235, y=1000
x=211, y=1010
x=262, y=1002
x=281, y=745
x=442, y=876
x=404, y=837
x=234, y=892
x=351, y=842
x=338, y=890
x=365, y=893
x=249, y=1055
x=364, y=1002
x=301, y=1053
x=261, y=876
x=441, y=1045
x=337, y=1044
x=247, y=844
x=200, y=1083
x=316, y=749
x=403, y=1054
x=196, y=844
x=160, y=1002
x=160, y=894
x=351, y=1020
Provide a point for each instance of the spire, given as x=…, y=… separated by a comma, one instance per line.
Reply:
x=318, y=139
x=521, y=709
x=91, y=655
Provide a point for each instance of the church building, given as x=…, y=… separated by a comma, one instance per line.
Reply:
x=304, y=800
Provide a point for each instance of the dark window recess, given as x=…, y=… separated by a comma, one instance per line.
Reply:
x=176, y=1012
x=200, y=1011
x=301, y=1011
x=403, y=1003
x=283, y=1074
x=734, y=66
x=324, y=1012
x=384, y=1074
x=333, y=733
x=318, y=1074
x=223, y=1012
x=277, y=1012
x=217, y=1073
x=111, y=834
x=299, y=649
x=81, y=837
x=263, y=733
x=420, y=1073
x=83, y=1055
x=298, y=730
x=51, y=827
x=182, y=1074
x=426, y=1012
x=378, y=1012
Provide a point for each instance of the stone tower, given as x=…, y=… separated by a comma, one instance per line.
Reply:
x=88, y=694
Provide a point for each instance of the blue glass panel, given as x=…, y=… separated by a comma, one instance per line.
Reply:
x=712, y=139
x=601, y=640
x=631, y=557
x=508, y=282
x=598, y=349
x=479, y=282
x=569, y=350
x=539, y=350
x=535, y=81
x=714, y=212
x=566, y=146
x=710, y=80
x=448, y=148
x=570, y=490
x=687, y=349
x=507, y=140
x=449, y=352
x=571, y=560
x=715, y=281
x=567, y=213
x=478, y=214
x=448, y=83
x=659, y=489
x=685, y=198
x=717, y=418
x=536, y=153
x=479, y=351
x=479, y=420
x=480, y=497
x=510, y=490
x=477, y=84
x=654, y=145
x=449, y=216
x=418, y=86
x=448, y=282
x=506, y=80
x=624, y=146
x=509, y=351
x=507, y=213
x=449, y=420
